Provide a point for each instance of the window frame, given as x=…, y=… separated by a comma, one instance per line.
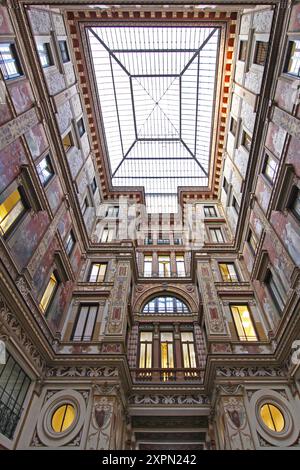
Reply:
x=244, y=137
x=81, y=129
x=71, y=138
x=150, y=263
x=99, y=263
x=173, y=350
x=291, y=37
x=244, y=339
x=24, y=200
x=251, y=235
x=15, y=58
x=188, y=343
x=46, y=156
x=82, y=305
x=266, y=157
x=213, y=229
x=139, y=350
x=245, y=51
x=209, y=215
x=277, y=292
x=164, y=263
x=68, y=251
x=177, y=261
x=45, y=310
x=66, y=49
x=45, y=41
x=257, y=43
x=230, y=263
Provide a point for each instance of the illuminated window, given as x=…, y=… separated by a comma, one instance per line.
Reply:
x=294, y=205
x=243, y=323
x=216, y=235
x=49, y=293
x=11, y=210
x=166, y=351
x=63, y=417
x=98, y=272
x=252, y=242
x=228, y=272
x=14, y=385
x=292, y=65
x=210, y=211
x=188, y=350
x=180, y=265
x=64, y=51
x=260, y=54
x=44, y=50
x=270, y=168
x=85, y=323
x=9, y=61
x=165, y=305
x=45, y=170
x=243, y=50
x=246, y=141
x=272, y=417
x=107, y=235
x=164, y=266
x=233, y=126
x=67, y=141
x=145, y=360
x=80, y=127
x=148, y=265
x=275, y=292
x=70, y=242
x=112, y=211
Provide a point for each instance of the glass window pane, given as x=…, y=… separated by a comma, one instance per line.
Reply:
x=48, y=294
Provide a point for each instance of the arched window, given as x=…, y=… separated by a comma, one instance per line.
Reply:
x=164, y=304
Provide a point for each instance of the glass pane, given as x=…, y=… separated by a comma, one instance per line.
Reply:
x=272, y=417
x=10, y=210
x=45, y=300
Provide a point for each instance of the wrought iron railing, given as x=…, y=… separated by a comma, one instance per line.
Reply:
x=167, y=375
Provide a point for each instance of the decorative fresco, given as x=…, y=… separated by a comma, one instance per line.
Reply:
x=76, y=259
x=43, y=268
x=295, y=18
x=54, y=194
x=248, y=258
x=40, y=21
x=18, y=126
x=64, y=224
x=28, y=238
x=275, y=139
x=5, y=111
x=256, y=224
x=59, y=25
x=236, y=426
x=118, y=300
x=75, y=161
x=270, y=313
x=11, y=158
x=21, y=95
x=278, y=257
x=286, y=95
x=59, y=305
x=36, y=140
x=64, y=116
x=5, y=23
x=287, y=228
x=263, y=193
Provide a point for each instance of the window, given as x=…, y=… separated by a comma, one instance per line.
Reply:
x=145, y=360
x=246, y=141
x=166, y=351
x=210, y=211
x=84, y=206
x=164, y=266
x=233, y=126
x=107, y=235
x=49, y=293
x=275, y=292
x=64, y=51
x=295, y=202
x=243, y=50
x=148, y=241
x=260, y=54
x=94, y=185
x=44, y=50
x=180, y=265
x=188, y=350
x=228, y=272
x=70, y=242
x=98, y=272
x=270, y=168
x=112, y=211
x=67, y=141
x=216, y=235
x=292, y=65
x=166, y=305
x=80, y=127
x=235, y=205
x=11, y=210
x=148, y=265
x=225, y=185
x=177, y=241
x=9, y=61
x=13, y=390
x=252, y=242
x=272, y=417
x=163, y=241
x=243, y=322
x=85, y=323
x=45, y=170
x=63, y=417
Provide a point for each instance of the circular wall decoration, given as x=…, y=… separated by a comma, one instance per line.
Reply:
x=63, y=417
x=272, y=417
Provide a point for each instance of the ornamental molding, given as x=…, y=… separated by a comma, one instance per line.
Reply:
x=12, y=325
x=178, y=400
x=250, y=372
x=82, y=372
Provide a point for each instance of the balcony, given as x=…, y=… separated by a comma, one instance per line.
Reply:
x=167, y=375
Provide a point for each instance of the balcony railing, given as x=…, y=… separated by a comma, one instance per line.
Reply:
x=167, y=375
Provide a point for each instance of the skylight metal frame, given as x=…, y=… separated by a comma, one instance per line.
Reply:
x=127, y=154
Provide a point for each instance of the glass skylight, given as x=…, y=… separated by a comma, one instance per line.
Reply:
x=156, y=89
